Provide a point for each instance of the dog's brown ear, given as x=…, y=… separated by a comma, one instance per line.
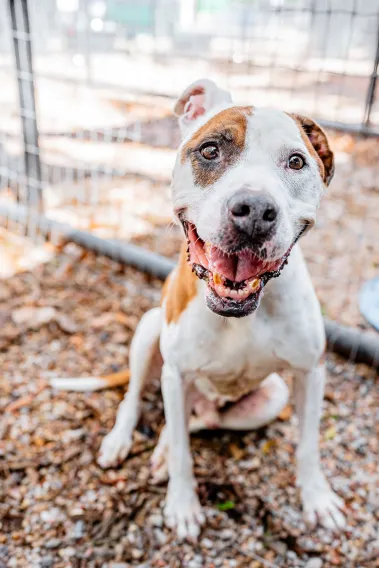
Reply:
x=198, y=99
x=319, y=143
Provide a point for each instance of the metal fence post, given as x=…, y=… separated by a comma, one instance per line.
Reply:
x=23, y=55
x=372, y=86
x=86, y=47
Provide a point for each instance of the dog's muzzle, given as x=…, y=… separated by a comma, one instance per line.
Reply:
x=235, y=280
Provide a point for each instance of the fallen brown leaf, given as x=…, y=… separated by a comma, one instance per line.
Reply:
x=236, y=451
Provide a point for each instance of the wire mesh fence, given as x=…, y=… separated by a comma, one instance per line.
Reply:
x=87, y=137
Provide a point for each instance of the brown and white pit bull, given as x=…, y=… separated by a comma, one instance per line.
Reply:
x=240, y=306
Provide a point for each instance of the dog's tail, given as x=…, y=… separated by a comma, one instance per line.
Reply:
x=83, y=384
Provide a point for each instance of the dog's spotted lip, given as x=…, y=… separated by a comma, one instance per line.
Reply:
x=225, y=296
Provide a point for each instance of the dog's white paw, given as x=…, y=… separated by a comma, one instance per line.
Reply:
x=114, y=449
x=321, y=505
x=183, y=511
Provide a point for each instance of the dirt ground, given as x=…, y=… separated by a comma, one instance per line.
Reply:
x=75, y=316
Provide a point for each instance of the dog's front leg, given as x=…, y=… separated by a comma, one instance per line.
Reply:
x=320, y=503
x=182, y=510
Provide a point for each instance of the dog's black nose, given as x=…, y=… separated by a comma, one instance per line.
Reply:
x=253, y=213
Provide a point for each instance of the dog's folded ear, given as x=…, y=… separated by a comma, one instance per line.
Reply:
x=199, y=98
x=319, y=143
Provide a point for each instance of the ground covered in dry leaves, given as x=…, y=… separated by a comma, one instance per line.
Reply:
x=76, y=316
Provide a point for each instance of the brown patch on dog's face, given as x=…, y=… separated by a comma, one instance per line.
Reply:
x=227, y=132
x=317, y=143
x=180, y=288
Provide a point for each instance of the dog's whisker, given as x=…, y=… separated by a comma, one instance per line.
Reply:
x=170, y=227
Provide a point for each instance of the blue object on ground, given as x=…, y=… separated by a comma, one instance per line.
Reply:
x=369, y=302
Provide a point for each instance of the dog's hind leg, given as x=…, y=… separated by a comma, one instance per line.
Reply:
x=116, y=445
x=158, y=462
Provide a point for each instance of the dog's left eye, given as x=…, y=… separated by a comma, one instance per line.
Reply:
x=296, y=162
x=209, y=151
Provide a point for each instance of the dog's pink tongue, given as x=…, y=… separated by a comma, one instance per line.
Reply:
x=236, y=267
x=221, y=262
x=249, y=265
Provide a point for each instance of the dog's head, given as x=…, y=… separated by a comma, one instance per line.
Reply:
x=246, y=184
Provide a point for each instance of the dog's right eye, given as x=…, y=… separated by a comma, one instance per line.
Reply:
x=296, y=162
x=209, y=151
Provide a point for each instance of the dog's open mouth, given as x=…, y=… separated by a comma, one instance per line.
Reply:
x=235, y=281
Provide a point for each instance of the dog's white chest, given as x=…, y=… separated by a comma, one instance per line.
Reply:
x=226, y=361
x=236, y=367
